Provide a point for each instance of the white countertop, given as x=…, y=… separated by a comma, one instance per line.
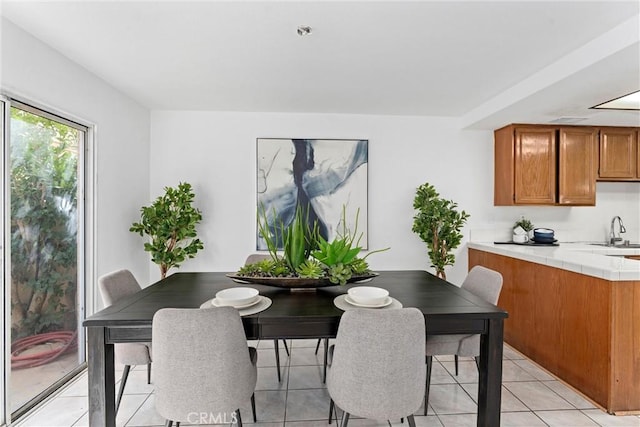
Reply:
x=597, y=261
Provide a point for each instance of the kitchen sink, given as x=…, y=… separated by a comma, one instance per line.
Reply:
x=619, y=246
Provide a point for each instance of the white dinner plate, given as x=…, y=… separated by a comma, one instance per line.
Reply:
x=352, y=302
x=215, y=303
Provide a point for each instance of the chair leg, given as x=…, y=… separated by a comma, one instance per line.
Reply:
x=331, y=405
x=253, y=406
x=168, y=423
x=177, y=423
x=345, y=419
x=286, y=347
x=318, y=345
x=412, y=421
x=326, y=355
x=427, y=384
x=455, y=359
x=123, y=382
x=238, y=417
x=149, y=373
x=275, y=342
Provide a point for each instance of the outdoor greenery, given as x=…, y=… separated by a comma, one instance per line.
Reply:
x=306, y=253
x=438, y=223
x=43, y=186
x=170, y=222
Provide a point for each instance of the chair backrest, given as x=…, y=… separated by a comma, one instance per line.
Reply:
x=484, y=283
x=202, y=362
x=377, y=369
x=113, y=287
x=116, y=285
x=253, y=258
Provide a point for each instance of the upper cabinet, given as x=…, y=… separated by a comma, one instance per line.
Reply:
x=545, y=165
x=577, y=166
x=619, y=155
x=535, y=166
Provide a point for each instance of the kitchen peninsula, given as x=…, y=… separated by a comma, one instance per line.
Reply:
x=575, y=310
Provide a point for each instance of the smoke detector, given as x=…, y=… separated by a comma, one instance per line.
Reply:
x=304, y=30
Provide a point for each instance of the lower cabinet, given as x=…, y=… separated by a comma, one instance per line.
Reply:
x=583, y=329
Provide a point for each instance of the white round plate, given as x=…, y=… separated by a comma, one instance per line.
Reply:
x=215, y=303
x=352, y=302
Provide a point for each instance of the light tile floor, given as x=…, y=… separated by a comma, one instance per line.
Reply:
x=530, y=397
x=29, y=382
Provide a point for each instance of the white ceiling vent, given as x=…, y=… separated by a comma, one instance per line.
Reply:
x=568, y=120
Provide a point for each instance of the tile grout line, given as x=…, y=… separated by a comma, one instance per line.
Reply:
x=138, y=408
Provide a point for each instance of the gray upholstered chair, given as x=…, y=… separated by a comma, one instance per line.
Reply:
x=377, y=364
x=484, y=283
x=113, y=287
x=203, y=365
x=251, y=259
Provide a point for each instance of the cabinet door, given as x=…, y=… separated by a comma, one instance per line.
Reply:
x=535, y=166
x=577, y=165
x=618, y=154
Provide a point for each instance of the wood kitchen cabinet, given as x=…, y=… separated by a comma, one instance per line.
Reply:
x=581, y=328
x=619, y=155
x=545, y=165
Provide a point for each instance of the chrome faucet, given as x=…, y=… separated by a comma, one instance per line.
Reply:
x=612, y=234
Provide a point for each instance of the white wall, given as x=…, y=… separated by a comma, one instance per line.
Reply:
x=37, y=73
x=216, y=153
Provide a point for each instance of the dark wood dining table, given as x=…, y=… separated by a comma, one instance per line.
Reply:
x=448, y=309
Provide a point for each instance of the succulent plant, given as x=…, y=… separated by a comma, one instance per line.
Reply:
x=339, y=274
x=359, y=266
x=310, y=269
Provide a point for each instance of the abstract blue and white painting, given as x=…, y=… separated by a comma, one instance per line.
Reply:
x=323, y=175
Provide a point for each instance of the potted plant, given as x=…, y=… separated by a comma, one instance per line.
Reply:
x=438, y=223
x=307, y=259
x=170, y=222
x=526, y=225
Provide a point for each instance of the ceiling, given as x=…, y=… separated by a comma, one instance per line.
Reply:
x=485, y=63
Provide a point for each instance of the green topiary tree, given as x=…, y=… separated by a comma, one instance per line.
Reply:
x=438, y=224
x=170, y=222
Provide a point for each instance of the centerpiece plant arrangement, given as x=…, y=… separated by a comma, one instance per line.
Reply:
x=438, y=223
x=170, y=222
x=306, y=254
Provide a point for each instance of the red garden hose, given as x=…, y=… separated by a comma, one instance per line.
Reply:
x=68, y=339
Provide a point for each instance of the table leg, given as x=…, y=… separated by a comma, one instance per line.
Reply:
x=326, y=354
x=490, y=382
x=102, y=384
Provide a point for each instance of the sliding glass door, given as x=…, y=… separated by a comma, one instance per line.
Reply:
x=45, y=271
x=4, y=243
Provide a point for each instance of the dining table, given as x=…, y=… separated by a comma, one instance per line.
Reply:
x=295, y=313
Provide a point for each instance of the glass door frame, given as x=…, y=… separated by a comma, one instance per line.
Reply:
x=5, y=356
x=85, y=243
